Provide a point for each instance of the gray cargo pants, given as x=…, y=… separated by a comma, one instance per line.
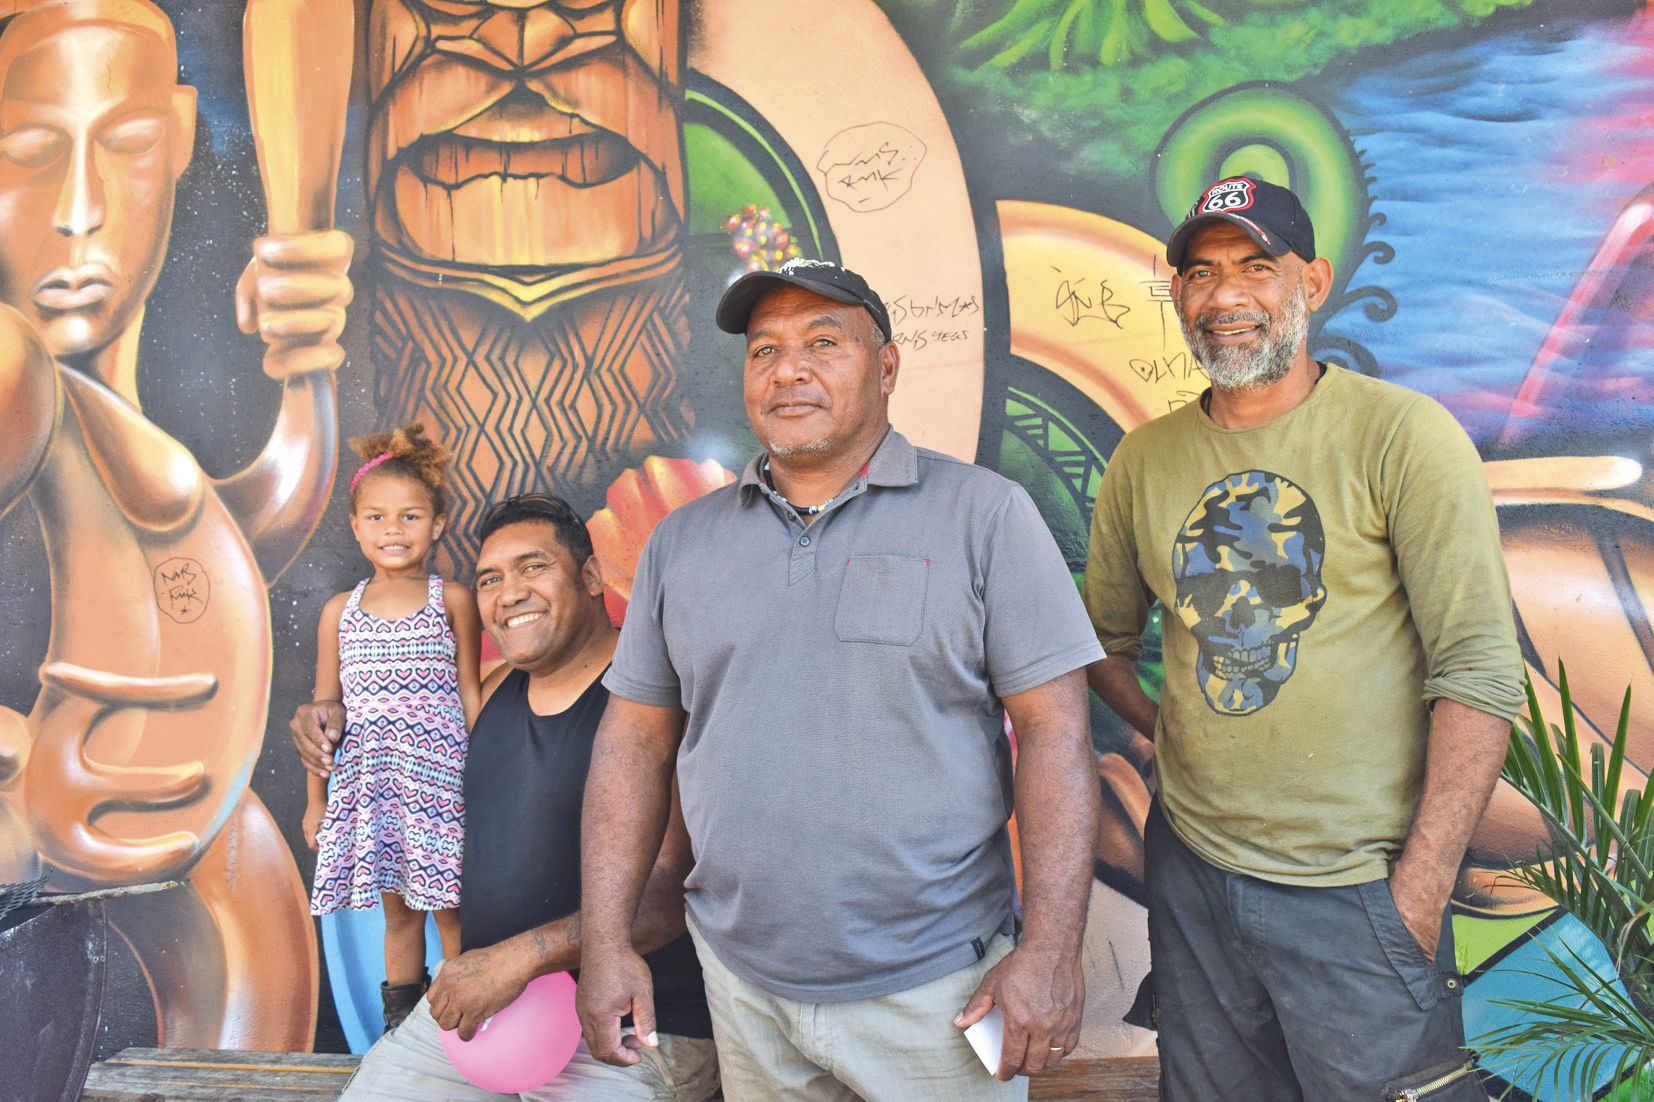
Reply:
x=1265, y=992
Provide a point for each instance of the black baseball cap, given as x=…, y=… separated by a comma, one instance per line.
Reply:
x=1271, y=215
x=825, y=278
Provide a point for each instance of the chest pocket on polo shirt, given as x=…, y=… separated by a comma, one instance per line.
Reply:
x=882, y=599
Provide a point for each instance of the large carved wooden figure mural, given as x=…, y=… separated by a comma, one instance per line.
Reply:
x=526, y=183
x=133, y=765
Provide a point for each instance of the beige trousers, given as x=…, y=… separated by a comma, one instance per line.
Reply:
x=901, y=1047
x=408, y=1065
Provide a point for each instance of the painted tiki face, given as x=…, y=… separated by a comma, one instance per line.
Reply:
x=526, y=135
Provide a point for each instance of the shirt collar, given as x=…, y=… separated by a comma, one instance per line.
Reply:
x=895, y=463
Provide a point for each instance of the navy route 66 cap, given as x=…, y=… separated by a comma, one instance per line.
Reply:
x=1270, y=215
x=825, y=278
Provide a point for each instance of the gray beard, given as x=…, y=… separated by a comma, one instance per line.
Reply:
x=1268, y=361
x=814, y=447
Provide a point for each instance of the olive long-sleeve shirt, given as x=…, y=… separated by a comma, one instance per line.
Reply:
x=1325, y=577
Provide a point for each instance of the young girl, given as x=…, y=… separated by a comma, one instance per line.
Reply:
x=401, y=651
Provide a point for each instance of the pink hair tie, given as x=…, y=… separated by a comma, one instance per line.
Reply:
x=356, y=478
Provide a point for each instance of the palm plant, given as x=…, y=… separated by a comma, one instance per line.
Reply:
x=1600, y=870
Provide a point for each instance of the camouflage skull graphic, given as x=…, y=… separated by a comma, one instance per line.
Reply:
x=1248, y=570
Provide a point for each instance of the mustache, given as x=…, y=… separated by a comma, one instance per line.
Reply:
x=1233, y=317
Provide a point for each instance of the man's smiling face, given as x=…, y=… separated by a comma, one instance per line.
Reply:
x=1245, y=313
x=536, y=601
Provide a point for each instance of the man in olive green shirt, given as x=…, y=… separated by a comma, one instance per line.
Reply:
x=1341, y=669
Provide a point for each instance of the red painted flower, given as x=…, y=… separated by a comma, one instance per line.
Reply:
x=637, y=501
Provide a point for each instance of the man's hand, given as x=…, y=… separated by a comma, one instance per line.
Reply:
x=614, y=984
x=316, y=728
x=293, y=294
x=1462, y=762
x=475, y=986
x=1041, y=993
x=1420, y=901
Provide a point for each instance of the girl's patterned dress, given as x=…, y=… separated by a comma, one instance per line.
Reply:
x=395, y=812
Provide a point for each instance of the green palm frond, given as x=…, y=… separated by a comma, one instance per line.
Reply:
x=1567, y=1041
x=1600, y=869
x=1601, y=864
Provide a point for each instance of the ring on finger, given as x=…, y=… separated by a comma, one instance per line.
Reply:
x=1058, y=1048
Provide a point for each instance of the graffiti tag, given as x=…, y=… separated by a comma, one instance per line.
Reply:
x=1077, y=301
x=869, y=167
x=182, y=589
x=1179, y=366
x=919, y=321
x=903, y=307
x=919, y=339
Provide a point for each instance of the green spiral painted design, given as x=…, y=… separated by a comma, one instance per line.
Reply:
x=1278, y=136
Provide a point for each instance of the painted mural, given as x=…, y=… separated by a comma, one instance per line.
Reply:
x=511, y=218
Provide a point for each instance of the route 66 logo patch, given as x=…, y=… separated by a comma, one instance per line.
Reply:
x=1225, y=197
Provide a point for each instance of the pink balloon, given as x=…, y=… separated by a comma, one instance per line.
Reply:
x=525, y=1045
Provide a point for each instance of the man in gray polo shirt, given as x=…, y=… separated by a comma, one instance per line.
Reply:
x=824, y=651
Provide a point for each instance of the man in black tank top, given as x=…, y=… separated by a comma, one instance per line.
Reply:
x=541, y=598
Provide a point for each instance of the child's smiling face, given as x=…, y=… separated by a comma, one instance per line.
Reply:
x=395, y=521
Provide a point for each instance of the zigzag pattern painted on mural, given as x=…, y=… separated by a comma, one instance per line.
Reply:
x=561, y=399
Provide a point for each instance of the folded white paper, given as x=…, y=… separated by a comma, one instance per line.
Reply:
x=987, y=1037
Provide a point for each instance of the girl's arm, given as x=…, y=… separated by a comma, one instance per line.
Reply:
x=315, y=807
x=466, y=624
x=327, y=649
x=327, y=688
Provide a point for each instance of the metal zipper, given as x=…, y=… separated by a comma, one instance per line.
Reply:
x=1417, y=1094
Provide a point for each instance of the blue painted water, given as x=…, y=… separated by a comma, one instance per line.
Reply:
x=353, y=943
x=1500, y=160
x=1525, y=975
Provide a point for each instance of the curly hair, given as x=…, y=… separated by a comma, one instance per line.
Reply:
x=406, y=452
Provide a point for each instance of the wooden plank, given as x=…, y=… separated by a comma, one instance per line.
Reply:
x=1122, y=1079
x=208, y=1075
x=222, y=1057
x=154, y=1089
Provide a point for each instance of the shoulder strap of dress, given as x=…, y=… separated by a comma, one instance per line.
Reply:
x=355, y=601
x=433, y=594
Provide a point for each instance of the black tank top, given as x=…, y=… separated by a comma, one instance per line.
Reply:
x=525, y=779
